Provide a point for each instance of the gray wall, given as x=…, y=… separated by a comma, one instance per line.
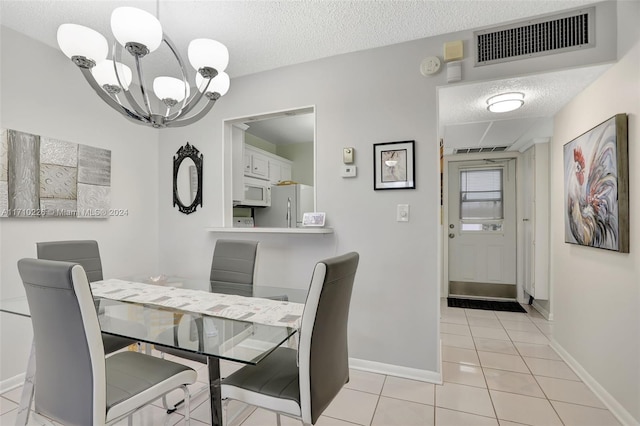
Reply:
x=54, y=100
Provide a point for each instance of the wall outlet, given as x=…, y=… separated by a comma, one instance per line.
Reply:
x=403, y=213
x=348, y=171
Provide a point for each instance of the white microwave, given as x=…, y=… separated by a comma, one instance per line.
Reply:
x=257, y=192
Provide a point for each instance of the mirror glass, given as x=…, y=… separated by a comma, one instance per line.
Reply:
x=268, y=151
x=187, y=181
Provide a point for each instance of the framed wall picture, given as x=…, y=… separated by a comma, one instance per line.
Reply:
x=394, y=165
x=596, y=187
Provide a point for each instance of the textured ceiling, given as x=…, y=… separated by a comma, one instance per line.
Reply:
x=263, y=35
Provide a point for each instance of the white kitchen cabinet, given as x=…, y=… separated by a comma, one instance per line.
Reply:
x=256, y=164
x=535, y=190
x=279, y=170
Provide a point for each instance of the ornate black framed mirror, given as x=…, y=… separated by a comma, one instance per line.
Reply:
x=187, y=179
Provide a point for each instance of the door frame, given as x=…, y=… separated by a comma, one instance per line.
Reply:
x=444, y=289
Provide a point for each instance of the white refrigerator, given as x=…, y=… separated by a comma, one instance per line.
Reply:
x=288, y=203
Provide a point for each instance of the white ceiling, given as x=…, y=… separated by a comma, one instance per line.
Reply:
x=264, y=35
x=465, y=122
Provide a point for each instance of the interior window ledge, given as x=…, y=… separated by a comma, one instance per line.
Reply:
x=272, y=230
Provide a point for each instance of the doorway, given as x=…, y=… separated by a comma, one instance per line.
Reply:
x=481, y=228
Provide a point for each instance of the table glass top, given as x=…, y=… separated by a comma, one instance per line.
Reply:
x=241, y=341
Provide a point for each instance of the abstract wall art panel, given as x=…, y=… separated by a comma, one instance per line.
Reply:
x=47, y=177
x=596, y=187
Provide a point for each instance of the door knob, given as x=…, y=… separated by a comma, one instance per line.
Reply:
x=452, y=235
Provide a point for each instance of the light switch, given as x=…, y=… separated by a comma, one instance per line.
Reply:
x=403, y=213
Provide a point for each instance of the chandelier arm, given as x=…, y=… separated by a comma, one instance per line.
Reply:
x=173, y=49
x=131, y=115
x=193, y=118
x=195, y=100
x=117, y=59
x=145, y=95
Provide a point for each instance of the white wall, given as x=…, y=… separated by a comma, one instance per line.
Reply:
x=43, y=93
x=361, y=98
x=596, y=293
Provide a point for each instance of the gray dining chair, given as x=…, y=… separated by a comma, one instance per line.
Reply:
x=233, y=270
x=87, y=254
x=75, y=384
x=302, y=384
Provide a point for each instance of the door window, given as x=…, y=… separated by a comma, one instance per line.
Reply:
x=481, y=200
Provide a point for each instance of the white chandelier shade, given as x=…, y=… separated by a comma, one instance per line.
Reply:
x=219, y=84
x=140, y=33
x=129, y=24
x=105, y=74
x=77, y=40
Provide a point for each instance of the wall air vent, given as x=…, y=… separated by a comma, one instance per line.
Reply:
x=537, y=37
x=483, y=149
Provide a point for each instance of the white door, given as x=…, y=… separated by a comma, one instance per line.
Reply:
x=482, y=228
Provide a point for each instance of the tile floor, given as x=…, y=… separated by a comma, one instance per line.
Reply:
x=498, y=369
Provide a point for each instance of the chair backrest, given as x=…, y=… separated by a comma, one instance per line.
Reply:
x=233, y=267
x=84, y=252
x=323, y=355
x=70, y=373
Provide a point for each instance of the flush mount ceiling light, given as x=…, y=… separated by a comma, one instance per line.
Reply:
x=140, y=33
x=505, y=102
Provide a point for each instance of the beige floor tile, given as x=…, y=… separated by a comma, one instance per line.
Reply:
x=410, y=390
x=396, y=412
x=519, y=326
x=463, y=374
x=152, y=416
x=13, y=395
x=508, y=423
x=464, y=398
x=343, y=405
x=533, y=350
x=453, y=319
x=485, y=322
x=579, y=415
x=365, y=381
x=489, y=333
x=34, y=419
x=544, y=328
x=550, y=368
x=493, y=345
x=569, y=391
x=528, y=337
x=479, y=313
x=329, y=421
x=460, y=355
x=502, y=362
x=510, y=381
x=459, y=329
x=457, y=341
x=7, y=405
x=524, y=409
x=262, y=417
x=512, y=316
x=445, y=417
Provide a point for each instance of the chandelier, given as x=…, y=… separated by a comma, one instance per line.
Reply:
x=140, y=33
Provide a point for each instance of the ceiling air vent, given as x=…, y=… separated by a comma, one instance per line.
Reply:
x=537, y=37
x=483, y=149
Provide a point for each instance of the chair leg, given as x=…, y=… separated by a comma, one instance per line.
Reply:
x=278, y=419
x=187, y=406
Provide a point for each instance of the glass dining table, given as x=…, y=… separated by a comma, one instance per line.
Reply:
x=216, y=337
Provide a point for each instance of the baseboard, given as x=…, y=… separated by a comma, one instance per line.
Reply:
x=396, y=370
x=546, y=314
x=11, y=383
x=609, y=401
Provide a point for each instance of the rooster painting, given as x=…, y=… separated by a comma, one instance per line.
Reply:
x=591, y=188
